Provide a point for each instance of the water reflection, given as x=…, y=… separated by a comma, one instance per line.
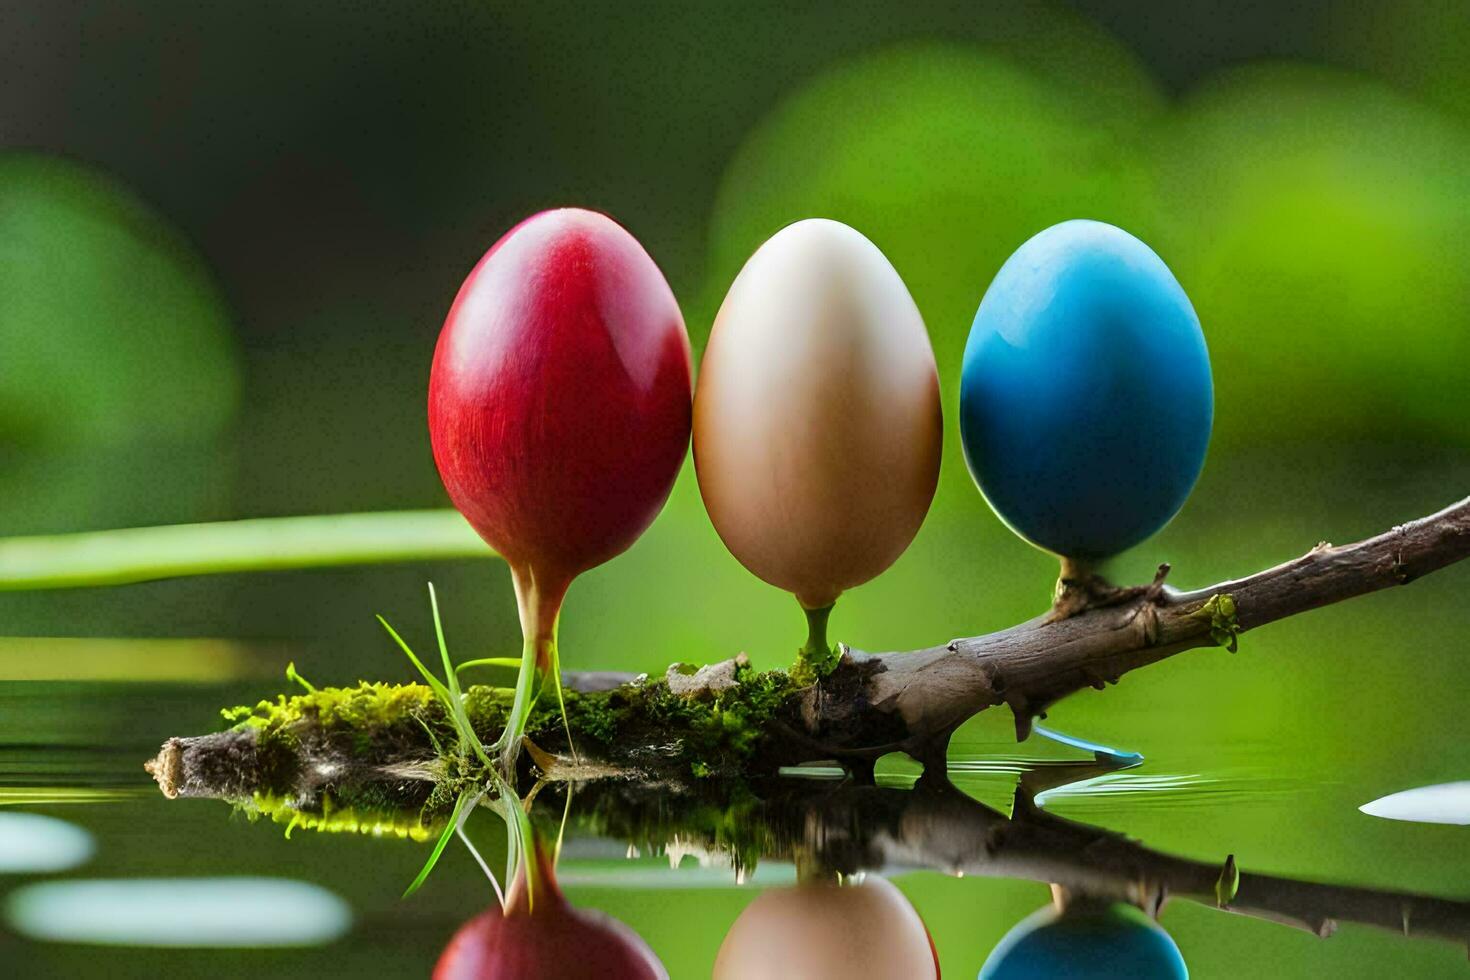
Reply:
x=845, y=828
x=822, y=827
x=179, y=912
x=586, y=864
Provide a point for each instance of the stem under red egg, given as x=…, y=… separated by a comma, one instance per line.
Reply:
x=538, y=599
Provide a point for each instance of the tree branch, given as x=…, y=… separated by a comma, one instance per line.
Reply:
x=913, y=701
x=725, y=719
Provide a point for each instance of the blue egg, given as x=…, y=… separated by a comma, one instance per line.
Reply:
x=1085, y=398
x=1113, y=942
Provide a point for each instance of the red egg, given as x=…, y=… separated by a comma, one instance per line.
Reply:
x=546, y=940
x=560, y=400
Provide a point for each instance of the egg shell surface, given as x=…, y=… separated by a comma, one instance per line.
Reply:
x=560, y=395
x=817, y=422
x=1086, y=398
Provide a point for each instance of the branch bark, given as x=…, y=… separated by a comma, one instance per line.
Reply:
x=912, y=701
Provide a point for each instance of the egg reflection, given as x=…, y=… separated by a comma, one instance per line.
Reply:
x=828, y=932
x=1089, y=942
x=542, y=936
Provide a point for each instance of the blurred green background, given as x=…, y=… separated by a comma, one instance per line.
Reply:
x=229, y=235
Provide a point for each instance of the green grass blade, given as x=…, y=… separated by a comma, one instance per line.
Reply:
x=561, y=832
x=464, y=838
x=291, y=675
x=506, y=801
x=450, y=676
x=513, y=663
x=527, y=846
x=443, y=842
x=512, y=844
x=456, y=697
x=433, y=739
x=433, y=682
x=561, y=701
x=520, y=707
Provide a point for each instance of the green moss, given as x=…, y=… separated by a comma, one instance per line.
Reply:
x=369, y=712
x=1219, y=613
x=589, y=716
x=810, y=668
x=360, y=708
x=713, y=732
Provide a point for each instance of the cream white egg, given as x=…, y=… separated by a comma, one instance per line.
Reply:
x=817, y=423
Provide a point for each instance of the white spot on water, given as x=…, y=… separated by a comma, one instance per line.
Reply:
x=179, y=912
x=1444, y=803
x=31, y=843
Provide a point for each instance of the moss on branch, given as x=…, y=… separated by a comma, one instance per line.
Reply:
x=340, y=750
